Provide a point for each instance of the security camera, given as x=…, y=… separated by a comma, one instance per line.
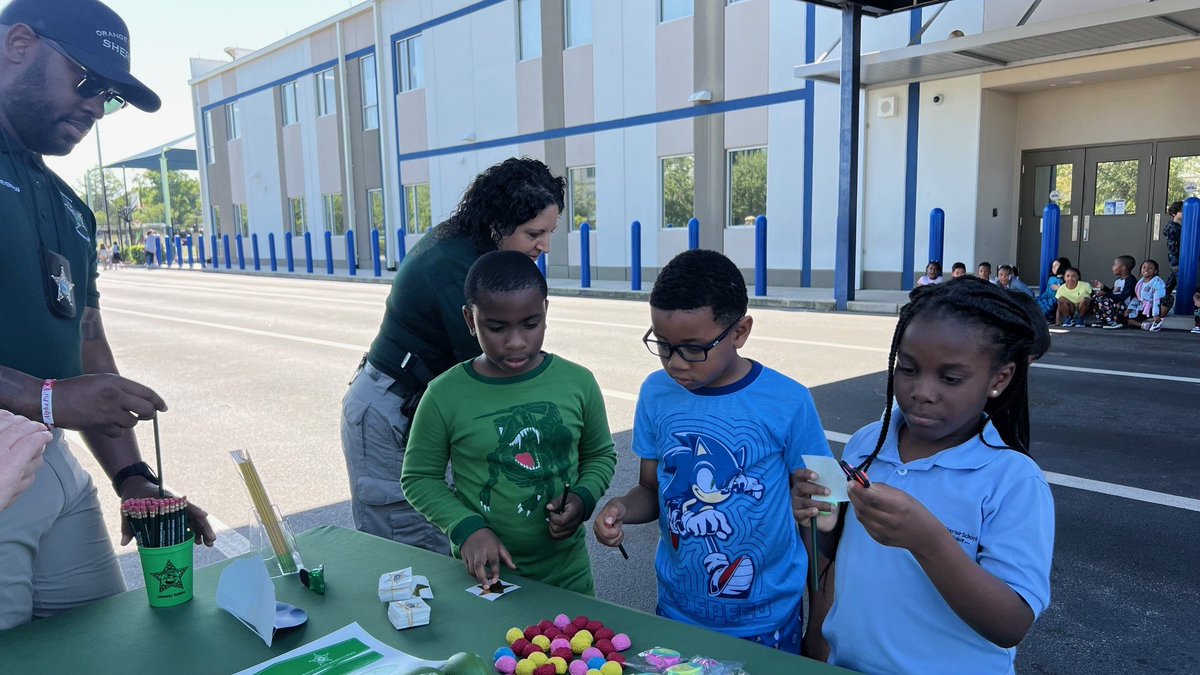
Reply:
x=939, y=99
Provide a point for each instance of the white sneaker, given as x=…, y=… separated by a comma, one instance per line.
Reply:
x=1196, y=330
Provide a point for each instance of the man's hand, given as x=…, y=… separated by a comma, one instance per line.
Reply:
x=137, y=487
x=103, y=403
x=607, y=524
x=482, y=554
x=22, y=442
x=563, y=525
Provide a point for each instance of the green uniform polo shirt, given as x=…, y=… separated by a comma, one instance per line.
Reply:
x=34, y=340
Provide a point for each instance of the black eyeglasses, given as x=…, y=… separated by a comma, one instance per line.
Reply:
x=689, y=353
x=91, y=85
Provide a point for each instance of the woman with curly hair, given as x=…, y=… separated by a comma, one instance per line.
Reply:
x=512, y=206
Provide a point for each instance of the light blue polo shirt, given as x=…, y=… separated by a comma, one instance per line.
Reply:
x=887, y=616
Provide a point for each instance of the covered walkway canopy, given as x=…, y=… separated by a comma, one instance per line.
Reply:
x=178, y=155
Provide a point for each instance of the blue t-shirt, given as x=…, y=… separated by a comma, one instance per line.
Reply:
x=887, y=616
x=729, y=557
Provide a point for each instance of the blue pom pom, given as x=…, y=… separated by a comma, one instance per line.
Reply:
x=503, y=651
x=597, y=662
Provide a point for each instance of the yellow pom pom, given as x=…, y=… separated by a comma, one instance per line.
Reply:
x=526, y=667
x=611, y=668
x=581, y=641
x=593, y=671
x=541, y=641
x=538, y=658
x=559, y=663
x=513, y=635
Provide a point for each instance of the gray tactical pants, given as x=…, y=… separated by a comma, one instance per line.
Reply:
x=374, y=433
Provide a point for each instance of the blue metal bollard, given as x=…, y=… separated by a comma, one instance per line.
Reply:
x=693, y=234
x=1050, y=219
x=216, y=257
x=158, y=252
x=179, y=251
x=228, y=258
x=308, y=259
x=191, y=260
x=328, y=252
x=200, y=241
x=351, y=254
x=271, y=250
x=937, y=235
x=635, y=256
x=254, y=251
x=378, y=268
x=541, y=263
x=241, y=251
x=291, y=256
x=400, y=245
x=585, y=255
x=760, y=256
x=1189, y=253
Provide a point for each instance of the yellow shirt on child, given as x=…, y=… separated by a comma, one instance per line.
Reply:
x=1073, y=296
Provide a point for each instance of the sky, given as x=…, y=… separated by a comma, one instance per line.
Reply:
x=164, y=34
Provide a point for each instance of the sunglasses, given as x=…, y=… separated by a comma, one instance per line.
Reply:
x=91, y=85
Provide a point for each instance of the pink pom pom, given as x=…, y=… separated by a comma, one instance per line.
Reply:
x=506, y=664
x=605, y=646
x=562, y=620
x=603, y=633
x=591, y=653
x=594, y=626
x=577, y=668
x=560, y=643
x=620, y=641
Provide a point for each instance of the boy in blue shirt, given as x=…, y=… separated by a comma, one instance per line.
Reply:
x=719, y=437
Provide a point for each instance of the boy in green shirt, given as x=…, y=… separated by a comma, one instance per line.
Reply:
x=526, y=435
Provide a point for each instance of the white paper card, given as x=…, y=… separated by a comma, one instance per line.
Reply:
x=245, y=591
x=829, y=475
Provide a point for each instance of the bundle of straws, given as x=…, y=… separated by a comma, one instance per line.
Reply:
x=157, y=522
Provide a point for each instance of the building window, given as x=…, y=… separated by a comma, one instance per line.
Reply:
x=326, y=93
x=287, y=101
x=210, y=154
x=529, y=28
x=233, y=126
x=678, y=190
x=370, y=92
x=214, y=216
x=412, y=63
x=375, y=207
x=296, y=216
x=416, y=203
x=241, y=221
x=335, y=213
x=578, y=22
x=582, y=190
x=669, y=10
x=747, y=186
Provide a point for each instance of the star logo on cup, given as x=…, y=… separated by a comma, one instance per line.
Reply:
x=65, y=286
x=170, y=576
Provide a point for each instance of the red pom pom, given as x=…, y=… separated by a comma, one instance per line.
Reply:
x=545, y=625
x=617, y=657
x=565, y=654
x=530, y=649
x=531, y=632
x=552, y=632
x=594, y=626
x=580, y=622
x=605, y=647
x=545, y=669
x=570, y=631
x=603, y=633
x=519, y=645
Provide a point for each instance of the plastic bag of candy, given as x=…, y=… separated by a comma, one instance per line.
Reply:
x=670, y=662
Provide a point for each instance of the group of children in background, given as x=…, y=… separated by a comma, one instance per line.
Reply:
x=939, y=562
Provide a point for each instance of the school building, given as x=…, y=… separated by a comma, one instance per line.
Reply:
x=664, y=110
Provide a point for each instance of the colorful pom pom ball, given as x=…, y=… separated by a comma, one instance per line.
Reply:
x=544, y=669
x=531, y=649
x=580, y=622
x=562, y=620
x=610, y=668
x=519, y=645
x=581, y=641
x=570, y=630
x=506, y=664
x=605, y=647
x=531, y=631
x=564, y=653
x=504, y=651
x=539, y=658
x=603, y=633
x=593, y=626
x=559, y=663
x=552, y=632
x=592, y=671
x=541, y=641
x=544, y=624
x=621, y=642
x=525, y=667
x=616, y=657
x=596, y=662
x=513, y=635
x=577, y=668
x=591, y=653
x=559, y=643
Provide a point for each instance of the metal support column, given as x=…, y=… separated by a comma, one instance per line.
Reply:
x=844, y=277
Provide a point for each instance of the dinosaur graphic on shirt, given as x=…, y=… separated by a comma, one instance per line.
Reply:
x=533, y=450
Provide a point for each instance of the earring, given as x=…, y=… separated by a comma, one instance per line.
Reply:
x=995, y=393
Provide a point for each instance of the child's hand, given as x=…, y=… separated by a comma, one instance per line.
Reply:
x=804, y=507
x=893, y=517
x=482, y=554
x=607, y=524
x=563, y=525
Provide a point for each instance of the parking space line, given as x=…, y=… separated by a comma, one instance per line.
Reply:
x=1125, y=491
x=239, y=329
x=1119, y=373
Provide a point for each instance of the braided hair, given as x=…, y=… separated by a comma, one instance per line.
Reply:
x=1012, y=332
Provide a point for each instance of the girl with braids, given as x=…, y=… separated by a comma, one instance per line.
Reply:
x=944, y=561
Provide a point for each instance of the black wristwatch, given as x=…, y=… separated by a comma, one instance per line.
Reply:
x=140, y=469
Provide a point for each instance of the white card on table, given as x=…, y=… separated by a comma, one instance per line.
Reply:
x=496, y=590
x=829, y=475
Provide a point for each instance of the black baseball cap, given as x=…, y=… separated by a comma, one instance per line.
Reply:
x=92, y=34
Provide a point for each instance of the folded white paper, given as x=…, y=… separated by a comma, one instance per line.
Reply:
x=829, y=475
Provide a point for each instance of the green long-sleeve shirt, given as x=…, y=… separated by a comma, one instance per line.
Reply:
x=512, y=443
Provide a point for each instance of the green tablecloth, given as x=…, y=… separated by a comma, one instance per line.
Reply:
x=124, y=634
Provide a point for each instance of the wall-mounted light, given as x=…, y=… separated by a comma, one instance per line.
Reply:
x=468, y=137
x=702, y=96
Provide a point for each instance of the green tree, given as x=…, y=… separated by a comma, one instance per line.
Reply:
x=185, y=199
x=1117, y=181
x=93, y=193
x=748, y=185
x=1182, y=170
x=679, y=190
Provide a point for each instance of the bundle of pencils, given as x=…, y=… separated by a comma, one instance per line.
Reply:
x=157, y=522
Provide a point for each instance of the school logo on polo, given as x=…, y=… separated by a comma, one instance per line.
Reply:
x=80, y=226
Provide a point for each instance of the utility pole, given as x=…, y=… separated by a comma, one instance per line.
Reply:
x=104, y=186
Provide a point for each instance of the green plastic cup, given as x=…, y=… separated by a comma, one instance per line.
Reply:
x=168, y=573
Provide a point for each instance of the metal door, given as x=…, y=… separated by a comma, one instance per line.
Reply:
x=1042, y=173
x=1176, y=163
x=1116, y=207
